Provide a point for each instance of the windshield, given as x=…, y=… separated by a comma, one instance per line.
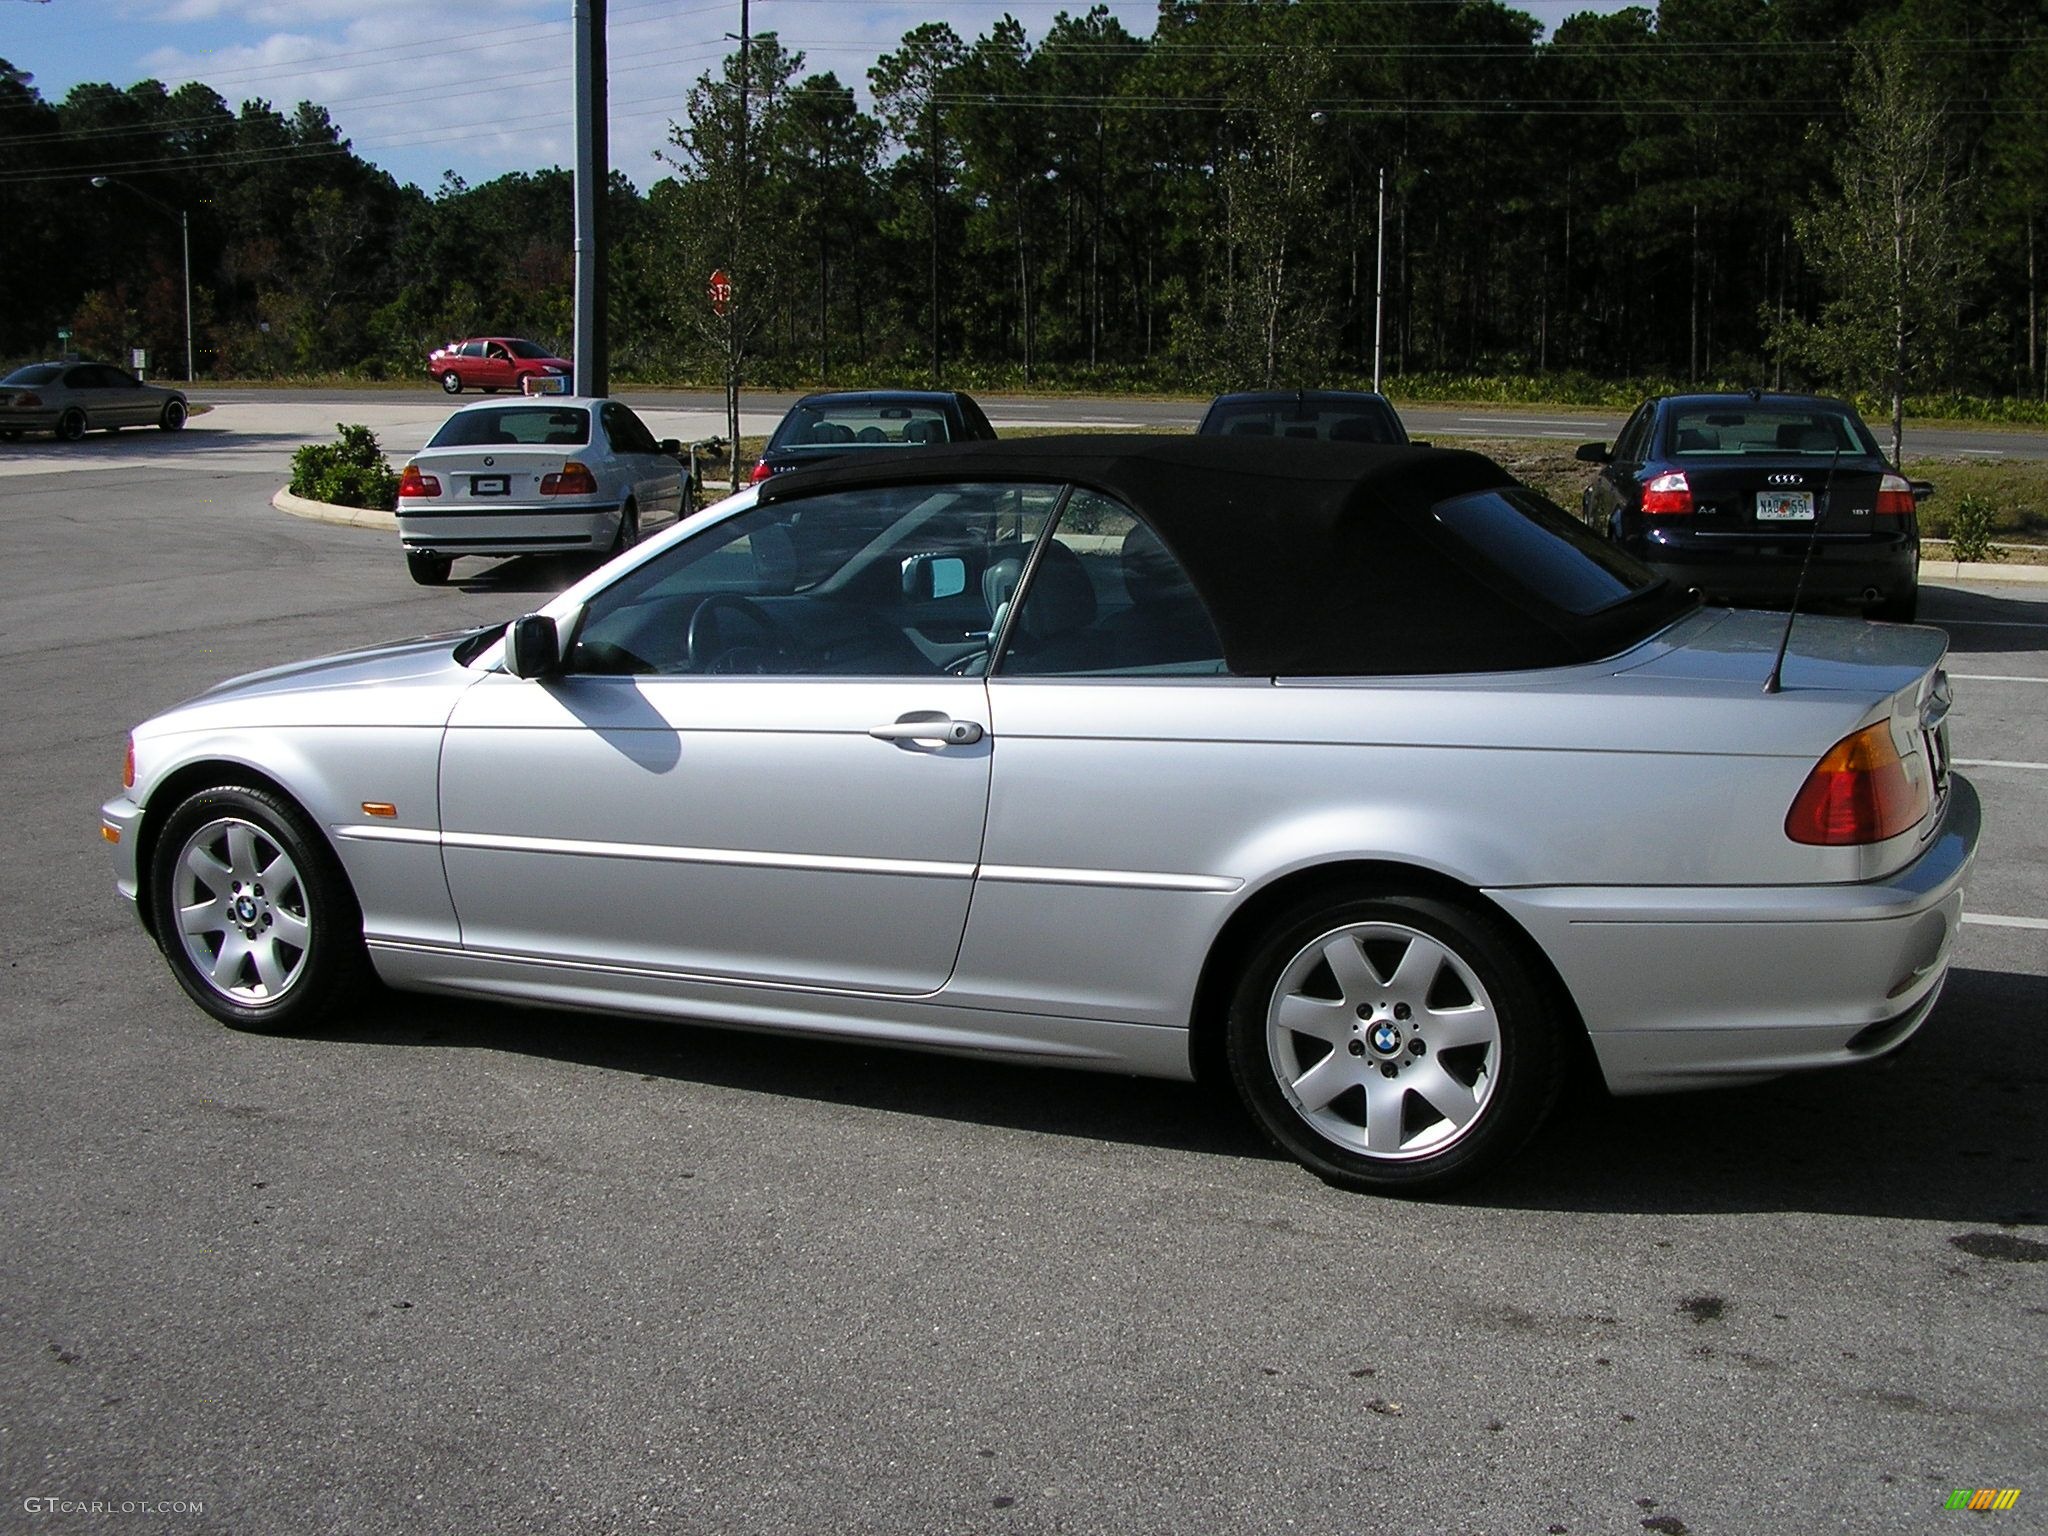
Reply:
x=34, y=373
x=528, y=349
x=837, y=425
x=1330, y=421
x=558, y=426
x=1722, y=431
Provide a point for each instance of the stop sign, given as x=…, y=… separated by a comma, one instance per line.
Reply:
x=721, y=292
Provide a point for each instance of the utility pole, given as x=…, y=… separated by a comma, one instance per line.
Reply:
x=591, y=353
x=1379, y=280
x=742, y=275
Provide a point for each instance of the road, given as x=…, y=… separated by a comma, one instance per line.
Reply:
x=454, y=1268
x=760, y=412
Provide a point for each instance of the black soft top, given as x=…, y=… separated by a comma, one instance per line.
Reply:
x=1313, y=558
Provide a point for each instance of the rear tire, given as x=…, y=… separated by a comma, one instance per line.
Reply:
x=173, y=418
x=426, y=569
x=71, y=425
x=629, y=530
x=1396, y=1043
x=254, y=912
x=451, y=381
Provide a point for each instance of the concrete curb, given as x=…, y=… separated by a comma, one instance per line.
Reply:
x=327, y=512
x=1980, y=570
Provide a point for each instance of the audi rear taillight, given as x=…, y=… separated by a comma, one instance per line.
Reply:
x=761, y=472
x=574, y=480
x=413, y=483
x=1863, y=791
x=1895, y=496
x=1668, y=493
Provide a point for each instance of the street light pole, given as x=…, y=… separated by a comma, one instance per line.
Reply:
x=1379, y=279
x=184, y=240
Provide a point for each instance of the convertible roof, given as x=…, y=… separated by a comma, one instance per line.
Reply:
x=1313, y=558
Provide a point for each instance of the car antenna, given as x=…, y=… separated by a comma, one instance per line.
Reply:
x=1775, y=682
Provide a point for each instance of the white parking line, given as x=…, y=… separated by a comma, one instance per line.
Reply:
x=1994, y=677
x=1526, y=421
x=1987, y=920
x=1984, y=453
x=1997, y=762
x=1991, y=623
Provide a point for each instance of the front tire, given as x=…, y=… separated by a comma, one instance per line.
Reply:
x=427, y=569
x=451, y=381
x=1394, y=1043
x=173, y=418
x=253, y=911
x=71, y=425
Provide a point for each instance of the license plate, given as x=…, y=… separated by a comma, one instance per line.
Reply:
x=1784, y=506
x=501, y=485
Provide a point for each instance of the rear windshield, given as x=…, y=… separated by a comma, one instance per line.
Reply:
x=1544, y=551
x=34, y=373
x=1724, y=431
x=843, y=424
x=565, y=426
x=1361, y=421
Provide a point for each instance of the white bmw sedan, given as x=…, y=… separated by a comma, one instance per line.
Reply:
x=545, y=475
x=1359, y=776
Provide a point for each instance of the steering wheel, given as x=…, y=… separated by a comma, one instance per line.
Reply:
x=702, y=634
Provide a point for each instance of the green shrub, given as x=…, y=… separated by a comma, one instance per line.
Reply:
x=351, y=472
x=1969, y=531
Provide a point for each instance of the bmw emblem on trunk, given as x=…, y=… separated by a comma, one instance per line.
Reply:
x=1386, y=1039
x=489, y=461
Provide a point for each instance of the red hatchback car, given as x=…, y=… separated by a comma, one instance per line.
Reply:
x=492, y=363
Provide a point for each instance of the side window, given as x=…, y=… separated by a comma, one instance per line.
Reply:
x=628, y=433
x=1634, y=440
x=84, y=376
x=472, y=349
x=894, y=581
x=1107, y=599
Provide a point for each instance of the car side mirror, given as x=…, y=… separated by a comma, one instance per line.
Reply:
x=1593, y=453
x=672, y=446
x=533, y=646
x=928, y=578
x=1420, y=442
x=1922, y=489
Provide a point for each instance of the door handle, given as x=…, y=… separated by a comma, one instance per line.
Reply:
x=935, y=728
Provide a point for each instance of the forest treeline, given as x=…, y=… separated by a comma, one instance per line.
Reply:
x=1699, y=192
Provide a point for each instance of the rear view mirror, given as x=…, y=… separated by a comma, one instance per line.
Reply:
x=1922, y=489
x=533, y=646
x=928, y=578
x=1593, y=453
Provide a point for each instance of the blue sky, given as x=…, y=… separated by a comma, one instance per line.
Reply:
x=480, y=87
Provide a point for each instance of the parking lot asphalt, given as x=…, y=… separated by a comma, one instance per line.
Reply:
x=458, y=1268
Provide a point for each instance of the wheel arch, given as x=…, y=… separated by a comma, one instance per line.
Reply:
x=187, y=779
x=1241, y=931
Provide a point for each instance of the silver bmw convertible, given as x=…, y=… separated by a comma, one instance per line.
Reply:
x=1360, y=776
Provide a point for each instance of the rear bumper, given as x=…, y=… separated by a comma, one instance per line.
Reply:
x=1693, y=987
x=510, y=530
x=29, y=421
x=1743, y=569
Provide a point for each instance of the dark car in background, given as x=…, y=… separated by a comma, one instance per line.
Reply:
x=492, y=363
x=826, y=426
x=1327, y=415
x=1733, y=493
x=71, y=399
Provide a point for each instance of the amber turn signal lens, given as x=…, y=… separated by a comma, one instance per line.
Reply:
x=379, y=808
x=111, y=833
x=128, y=766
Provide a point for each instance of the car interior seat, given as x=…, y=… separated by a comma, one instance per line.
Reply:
x=1695, y=440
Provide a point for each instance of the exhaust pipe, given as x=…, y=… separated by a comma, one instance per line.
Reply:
x=1870, y=594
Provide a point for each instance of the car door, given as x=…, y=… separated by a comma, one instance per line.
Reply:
x=740, y=773
x=656, y=477
x=127, y=400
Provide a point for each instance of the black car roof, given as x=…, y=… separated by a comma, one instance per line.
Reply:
x=1313, y=558
x=1282, y=396
x=867, y=396
x=1760, y=397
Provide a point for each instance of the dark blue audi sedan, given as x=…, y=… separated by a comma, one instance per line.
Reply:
x=1734, y=494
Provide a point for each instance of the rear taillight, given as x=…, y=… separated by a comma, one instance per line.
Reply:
x=1861, y=792
x=27, y=402
x=1894, y=496
x=413, y=483
x=574, y=480
x=761, y=472
x=1668, y=493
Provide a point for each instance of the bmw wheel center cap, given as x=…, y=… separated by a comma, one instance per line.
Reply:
x=1386, y=1039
